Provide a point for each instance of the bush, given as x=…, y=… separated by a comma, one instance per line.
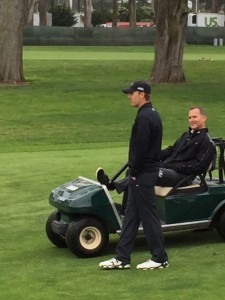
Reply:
x=62, y=16
x=143, y=14
x=123, y=14
x=101, y=17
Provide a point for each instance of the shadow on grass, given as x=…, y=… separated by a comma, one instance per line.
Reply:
x=179, y=239
x=173, y=240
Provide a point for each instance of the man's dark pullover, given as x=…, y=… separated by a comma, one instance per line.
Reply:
x=145, y=141
x=191, y=154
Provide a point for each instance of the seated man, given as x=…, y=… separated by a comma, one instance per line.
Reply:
x=191, y=154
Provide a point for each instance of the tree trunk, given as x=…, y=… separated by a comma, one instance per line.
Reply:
x=153, y=5
x=132, y=13
x=87, y=13
x=33, y=4
x=171, y=22
x=214, y=6
x=42, y=8
x=13, y=16
x=51, y=4
x=66, y=3
x=115, y=11
x=195, y=6
x=102, y=5
x=79, y=5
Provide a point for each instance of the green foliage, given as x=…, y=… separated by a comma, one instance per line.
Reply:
x=62, y=16
x=143, y=14
x=123, y=14
x=101, y=17
x=209, y=4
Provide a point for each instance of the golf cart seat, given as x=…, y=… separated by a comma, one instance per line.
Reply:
x=196, y=185
x=167, y=190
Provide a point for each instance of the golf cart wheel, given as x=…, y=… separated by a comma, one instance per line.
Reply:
x=55, y=238
x=221, y=225
x=87, y=237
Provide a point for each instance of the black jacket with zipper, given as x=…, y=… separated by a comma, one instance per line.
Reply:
x=145, y=141
x=191, y=154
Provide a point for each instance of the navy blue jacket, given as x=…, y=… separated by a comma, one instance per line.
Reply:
x=145, y=141
x=191, y=154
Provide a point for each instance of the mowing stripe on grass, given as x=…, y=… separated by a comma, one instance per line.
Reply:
x=52, y=55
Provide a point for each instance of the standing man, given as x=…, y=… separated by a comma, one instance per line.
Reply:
x=144, y=157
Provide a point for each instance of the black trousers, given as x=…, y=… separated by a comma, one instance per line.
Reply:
x=141, y=207
x=169, y=177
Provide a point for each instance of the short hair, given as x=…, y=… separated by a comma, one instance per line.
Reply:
x=147, y=97
x=202, y=111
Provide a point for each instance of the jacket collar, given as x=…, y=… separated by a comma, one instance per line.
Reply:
x=193, y=132
x=147, y=104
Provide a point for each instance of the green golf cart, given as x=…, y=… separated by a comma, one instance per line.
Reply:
x=85, y=213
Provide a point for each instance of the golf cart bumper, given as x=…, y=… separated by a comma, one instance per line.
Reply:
x=83, y=196
x=59, y=227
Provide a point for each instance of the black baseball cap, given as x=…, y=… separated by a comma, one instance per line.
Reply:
x=141, y=86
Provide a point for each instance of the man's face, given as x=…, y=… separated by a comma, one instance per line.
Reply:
x=196, y=119
x=136, y=98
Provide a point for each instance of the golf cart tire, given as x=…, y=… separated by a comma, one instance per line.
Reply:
x=55, y=238
x=221, y=225
x=87, y=237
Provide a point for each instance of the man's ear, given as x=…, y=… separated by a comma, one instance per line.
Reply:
x=142, y=94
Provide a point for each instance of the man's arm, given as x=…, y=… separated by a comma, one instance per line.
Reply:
x=142, y=145
x=204, y=156
x=167, y=152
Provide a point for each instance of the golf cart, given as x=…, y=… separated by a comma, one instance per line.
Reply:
x=85, y=213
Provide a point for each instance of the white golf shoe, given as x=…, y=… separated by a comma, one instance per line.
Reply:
x=113, y=263
x=150, y=265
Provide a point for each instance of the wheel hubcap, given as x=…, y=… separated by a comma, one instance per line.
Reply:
x=90, y=237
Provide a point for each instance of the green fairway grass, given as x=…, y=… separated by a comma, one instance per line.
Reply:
x=70, y=119
x=111, y=53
